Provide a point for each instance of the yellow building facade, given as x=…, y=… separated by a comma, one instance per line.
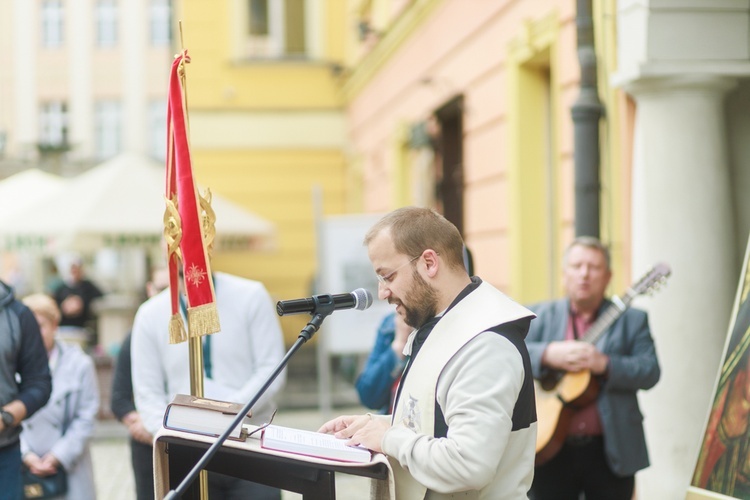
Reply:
x=267, y=125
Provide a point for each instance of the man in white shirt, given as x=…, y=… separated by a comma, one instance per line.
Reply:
x=237, y=362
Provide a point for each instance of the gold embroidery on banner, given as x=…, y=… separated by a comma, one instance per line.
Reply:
x=208, y=221
x=172, y=227
x=195, y=275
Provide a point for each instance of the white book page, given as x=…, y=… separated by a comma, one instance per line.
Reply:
x=312, y=443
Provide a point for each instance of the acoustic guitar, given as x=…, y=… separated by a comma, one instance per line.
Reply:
x=559, y=394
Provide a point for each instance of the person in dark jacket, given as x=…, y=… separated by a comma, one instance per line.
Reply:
x=604, y=444
x=123, y=406
x=24, y=358
x=141, y=450
x=75, y=296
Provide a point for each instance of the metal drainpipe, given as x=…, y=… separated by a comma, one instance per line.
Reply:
x=586, y=112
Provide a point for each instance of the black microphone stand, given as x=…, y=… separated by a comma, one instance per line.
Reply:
x=322, y=310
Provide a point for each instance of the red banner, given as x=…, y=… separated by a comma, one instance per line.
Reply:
x=183, y=229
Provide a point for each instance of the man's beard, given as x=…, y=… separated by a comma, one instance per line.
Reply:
x=424, y=299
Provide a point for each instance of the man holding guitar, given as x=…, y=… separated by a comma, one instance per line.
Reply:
x=595, y=443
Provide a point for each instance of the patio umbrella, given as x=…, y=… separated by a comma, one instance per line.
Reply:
x=18, y=193
x=121, y=203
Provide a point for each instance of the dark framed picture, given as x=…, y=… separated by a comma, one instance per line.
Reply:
x=723, y=466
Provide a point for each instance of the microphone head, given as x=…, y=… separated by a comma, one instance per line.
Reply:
x=363, y=299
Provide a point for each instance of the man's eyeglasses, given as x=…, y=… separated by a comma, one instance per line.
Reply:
x=385, y=280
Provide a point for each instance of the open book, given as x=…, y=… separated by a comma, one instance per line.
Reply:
x=208, y=417
x=313, y=444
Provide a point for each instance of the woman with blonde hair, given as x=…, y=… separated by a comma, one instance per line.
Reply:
x=57, y=436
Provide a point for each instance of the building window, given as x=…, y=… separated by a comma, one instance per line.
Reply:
x=108, y=132
x=106, y=23
x=157, y=129
x=161, y=22
x=258, y=17
x=53, y=124
x=276, y=28
x=52, y=23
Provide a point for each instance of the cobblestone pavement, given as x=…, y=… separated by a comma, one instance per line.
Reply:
x=114, y=477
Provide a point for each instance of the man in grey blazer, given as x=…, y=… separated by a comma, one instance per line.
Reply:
x=604, y=444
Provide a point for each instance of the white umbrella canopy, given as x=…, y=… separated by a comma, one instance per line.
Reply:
x=19, y=193
x=121, y=203
x=27, y=188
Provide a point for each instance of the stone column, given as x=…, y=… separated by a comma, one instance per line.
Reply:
x=682, y=215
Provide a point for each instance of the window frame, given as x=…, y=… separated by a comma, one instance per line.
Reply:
x=53, y=123
x=160, y=23
x=273, y=44
x=52, y=23
x=106, y=23
x=108, y=127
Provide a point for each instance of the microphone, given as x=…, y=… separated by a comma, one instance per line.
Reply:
x=359, y=299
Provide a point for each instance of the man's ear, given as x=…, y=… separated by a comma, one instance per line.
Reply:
x=432, y=263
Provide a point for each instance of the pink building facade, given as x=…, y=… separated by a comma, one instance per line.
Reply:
x=465, y=106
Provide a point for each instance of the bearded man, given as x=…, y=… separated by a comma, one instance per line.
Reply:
x=464, y=418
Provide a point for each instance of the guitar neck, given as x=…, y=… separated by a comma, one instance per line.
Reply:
x=609, y=316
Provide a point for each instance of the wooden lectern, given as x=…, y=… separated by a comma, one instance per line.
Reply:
x=175, y=453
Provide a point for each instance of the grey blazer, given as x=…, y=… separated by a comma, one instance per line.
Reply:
x=74, y=382
x=633, y=365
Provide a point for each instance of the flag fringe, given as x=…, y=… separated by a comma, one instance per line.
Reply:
x=203, y=320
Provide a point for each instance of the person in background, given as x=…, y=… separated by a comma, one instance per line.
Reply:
x=237, y=362
x=377, y=383
x=605, y=444
x=75, y=295
x=52, y=280
x=464, y=420
x=58, y=435
x=25, y=384
x=123, y=405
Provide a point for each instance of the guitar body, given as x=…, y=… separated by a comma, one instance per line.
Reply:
x=555, y=407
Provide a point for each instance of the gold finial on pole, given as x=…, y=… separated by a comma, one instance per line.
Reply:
x=183, y=78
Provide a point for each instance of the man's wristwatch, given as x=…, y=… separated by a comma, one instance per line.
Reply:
x=8, y=419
